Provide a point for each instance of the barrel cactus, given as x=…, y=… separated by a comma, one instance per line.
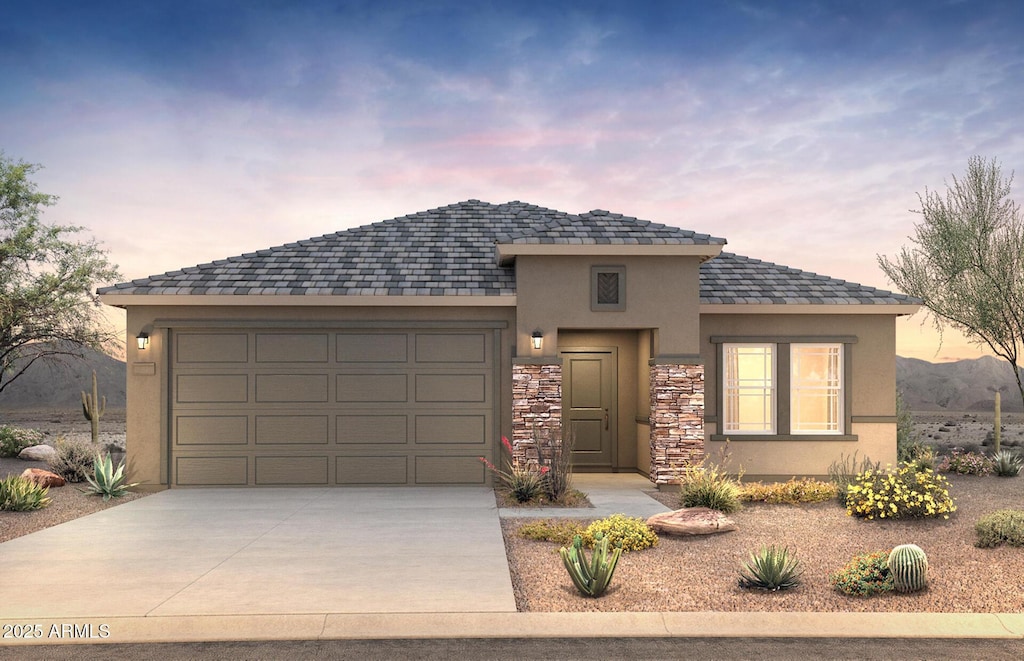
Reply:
x=909, y=568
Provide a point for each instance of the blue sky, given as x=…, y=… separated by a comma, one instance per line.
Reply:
x=182, y=132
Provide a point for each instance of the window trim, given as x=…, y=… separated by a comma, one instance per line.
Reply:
x=782, y=387
x=620, y=304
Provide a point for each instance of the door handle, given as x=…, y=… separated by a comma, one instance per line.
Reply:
x=606, y=419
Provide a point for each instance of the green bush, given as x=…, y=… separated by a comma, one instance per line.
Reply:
x=771, y=569
x=867, y=574
x=792, y=492
x=559, y=531
x=708, y=486
x=901, y=493
x=73, y=460
x=18, y=494
x=13, y=440
x=1000, y=527
x=843, y=471
x=591, y=577
x=632, y=533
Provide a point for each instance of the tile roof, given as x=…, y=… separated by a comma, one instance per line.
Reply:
x=450, y=251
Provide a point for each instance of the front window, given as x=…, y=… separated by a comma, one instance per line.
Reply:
x=815, y=386
x=749, y=376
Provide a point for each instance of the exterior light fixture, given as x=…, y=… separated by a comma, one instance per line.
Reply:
x=143, y=339
x=538, y=338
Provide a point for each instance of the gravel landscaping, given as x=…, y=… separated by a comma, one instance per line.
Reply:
x=700, y=573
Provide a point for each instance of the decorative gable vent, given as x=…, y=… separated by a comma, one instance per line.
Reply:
x=607, y=288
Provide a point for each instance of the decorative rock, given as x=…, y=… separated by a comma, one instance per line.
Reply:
x=43, y=478
x=38, y=453
x=691, y=521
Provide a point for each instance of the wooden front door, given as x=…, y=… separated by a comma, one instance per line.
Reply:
x=588, y=404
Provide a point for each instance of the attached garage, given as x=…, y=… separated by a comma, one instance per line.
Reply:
x=277, y=407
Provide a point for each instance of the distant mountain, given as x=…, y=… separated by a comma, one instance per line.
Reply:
x=50, y=386
x=964, y=385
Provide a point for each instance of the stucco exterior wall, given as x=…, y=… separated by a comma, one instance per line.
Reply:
x=661, y=293
x=872, y=402
x=148, y=377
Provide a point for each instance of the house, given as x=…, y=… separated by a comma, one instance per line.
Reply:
x=400, y=352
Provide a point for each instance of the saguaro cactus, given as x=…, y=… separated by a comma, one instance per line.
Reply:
x=908, y=565
x=93, y=409
x=997, y=433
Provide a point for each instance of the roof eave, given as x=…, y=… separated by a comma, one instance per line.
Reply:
x=306, y=300
x=898, y=309
x=505, y=253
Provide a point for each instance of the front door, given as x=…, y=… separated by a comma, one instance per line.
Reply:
x=588, y=404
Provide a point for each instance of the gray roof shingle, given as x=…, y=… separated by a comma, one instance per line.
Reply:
x=450, y=251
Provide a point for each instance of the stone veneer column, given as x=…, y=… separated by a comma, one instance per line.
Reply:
x=677, y=419
x=536, y=400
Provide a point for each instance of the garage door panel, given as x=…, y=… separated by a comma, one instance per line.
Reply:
x=451, y=388
x=291, y=348
x=291, y=470
x=453, y=429
x=292, y=429
x=212, y=471
x=372, y=429
x=365, y=388
x=212, y=348
x=372, y=470
x=212, y=389
x=449, y=470
x=451, y=348
x=212, y=430
x=272, y=388
x=372, y=347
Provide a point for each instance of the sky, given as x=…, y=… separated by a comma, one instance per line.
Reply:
x=801, y=131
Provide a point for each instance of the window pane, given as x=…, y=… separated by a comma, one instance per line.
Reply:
x=749, y=389
x=816, y=389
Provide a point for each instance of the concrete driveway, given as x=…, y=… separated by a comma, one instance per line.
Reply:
x=266, y=551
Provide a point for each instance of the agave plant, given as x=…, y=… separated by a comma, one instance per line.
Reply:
x=105, y=480
x=1007, y=463
x=771, y=569
x=18, y=494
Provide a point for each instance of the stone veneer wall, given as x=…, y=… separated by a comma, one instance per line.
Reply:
x=536, y=400
x=677, y=419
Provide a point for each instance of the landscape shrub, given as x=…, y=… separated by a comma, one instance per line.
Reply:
x=14, y=439
x=792, y=492
x=559, y=531
x=1007, y=463
x=707, y=485
x=632, y=533
x=901, y=493
x=522, y=482
x=843, y=471
x=18, y=494
x=963, y=462
x=73, y=460
x=1000, y=527
x=867, y=574
x=554, y=453
x=771, y=569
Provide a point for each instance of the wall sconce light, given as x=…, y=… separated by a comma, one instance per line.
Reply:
x=143, y=339
x=538, y=338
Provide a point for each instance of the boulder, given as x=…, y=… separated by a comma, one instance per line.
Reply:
x=43, y=478
x=691, y=521
x=38, y=453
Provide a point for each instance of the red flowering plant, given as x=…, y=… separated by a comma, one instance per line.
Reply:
x=522, y=481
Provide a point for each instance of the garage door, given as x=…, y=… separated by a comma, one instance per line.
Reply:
x=274, y=408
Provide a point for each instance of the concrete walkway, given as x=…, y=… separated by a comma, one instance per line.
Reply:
x=265, y=552
x=609, y=493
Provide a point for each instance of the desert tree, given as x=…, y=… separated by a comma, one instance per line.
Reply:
x=49, y=310
x=966, y=261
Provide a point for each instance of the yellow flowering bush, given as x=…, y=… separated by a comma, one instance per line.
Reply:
x=906, y=492
x=633, y=532
x=791, y=492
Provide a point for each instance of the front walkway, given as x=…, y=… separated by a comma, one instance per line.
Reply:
x=609, y=493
